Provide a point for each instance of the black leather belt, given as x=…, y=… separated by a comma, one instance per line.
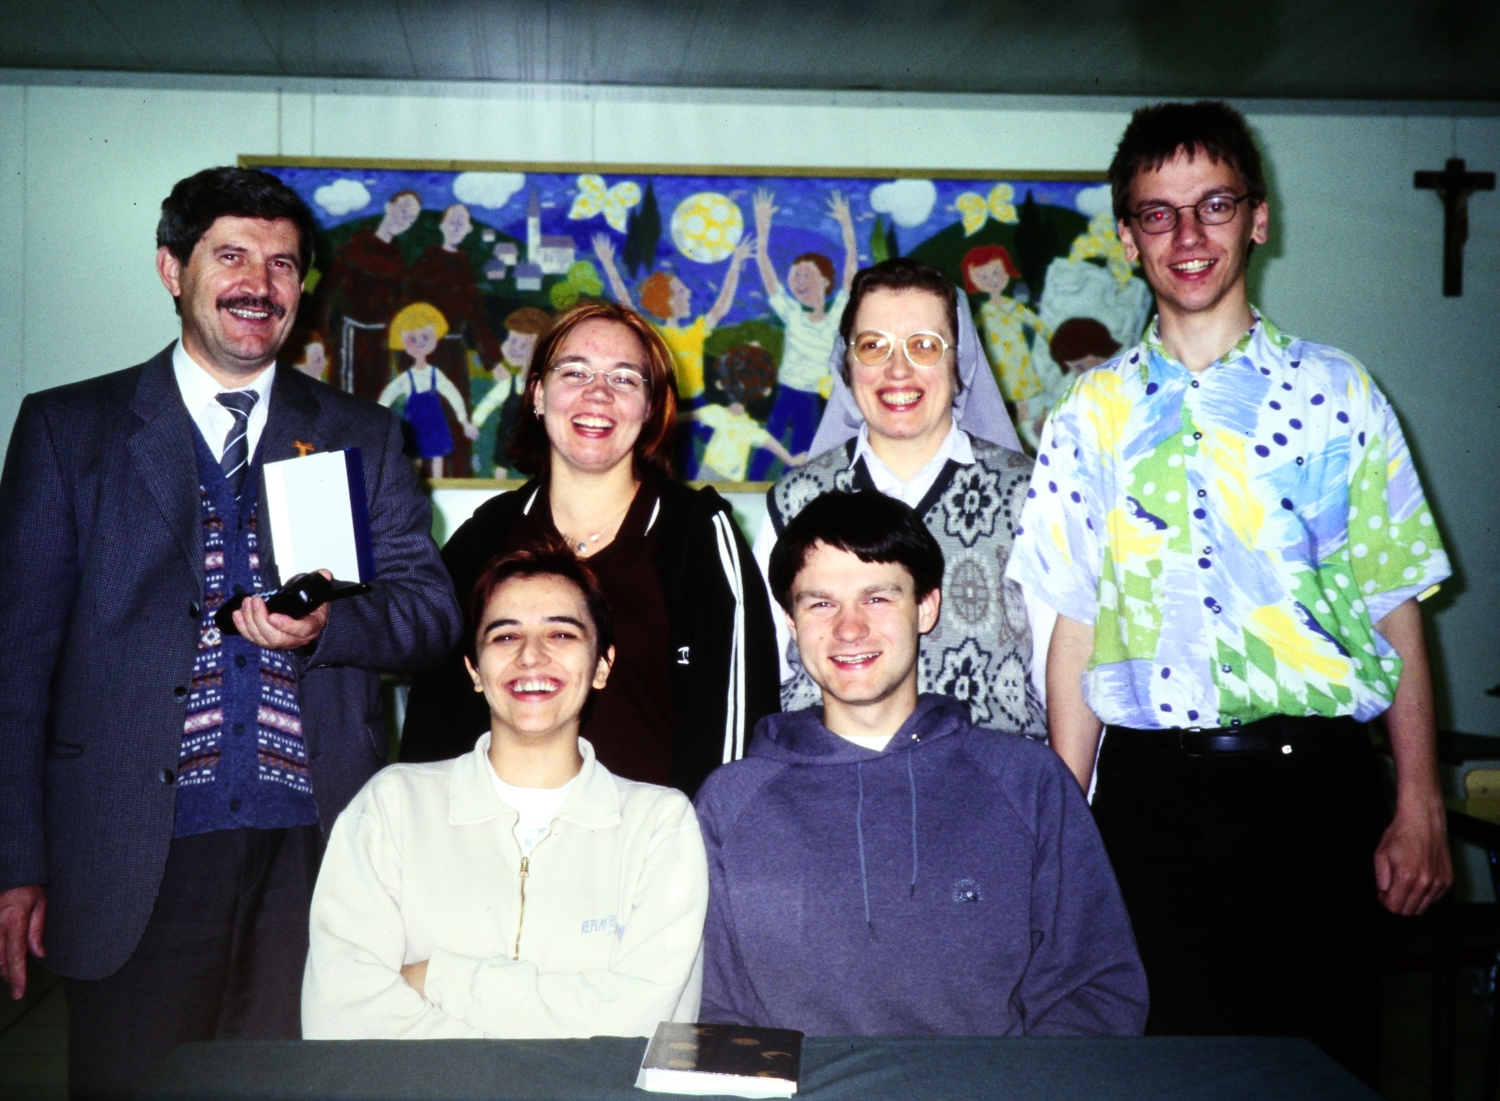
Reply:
x=1276, y=734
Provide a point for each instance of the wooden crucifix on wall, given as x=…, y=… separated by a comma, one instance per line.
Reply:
x=1454, y=186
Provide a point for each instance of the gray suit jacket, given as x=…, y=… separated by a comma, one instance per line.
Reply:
x=101, y=576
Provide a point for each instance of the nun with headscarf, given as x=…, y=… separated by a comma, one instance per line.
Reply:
x=915, y=414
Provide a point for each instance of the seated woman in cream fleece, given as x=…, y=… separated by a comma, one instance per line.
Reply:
x=520, y=890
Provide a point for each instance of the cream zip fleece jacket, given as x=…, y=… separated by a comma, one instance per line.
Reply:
x=423, y=865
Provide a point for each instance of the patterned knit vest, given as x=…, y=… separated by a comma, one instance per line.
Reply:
x=980, y=650
x=243, y=762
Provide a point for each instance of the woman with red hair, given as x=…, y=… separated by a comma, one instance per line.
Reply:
x=1029, y=382
x=696, y=665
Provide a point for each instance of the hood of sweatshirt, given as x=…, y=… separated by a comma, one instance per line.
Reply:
x=800, y=738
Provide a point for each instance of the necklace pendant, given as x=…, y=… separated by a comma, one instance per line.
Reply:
x=582, y=546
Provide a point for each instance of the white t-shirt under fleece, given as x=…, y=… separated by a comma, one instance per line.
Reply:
x=537, y=808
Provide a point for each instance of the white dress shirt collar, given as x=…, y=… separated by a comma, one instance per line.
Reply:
x=955, y=446
x=200, y=392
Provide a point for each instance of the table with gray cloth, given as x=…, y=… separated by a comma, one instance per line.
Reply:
x=604, y=1069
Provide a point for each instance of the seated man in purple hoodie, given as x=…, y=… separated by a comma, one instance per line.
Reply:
x=880, y=866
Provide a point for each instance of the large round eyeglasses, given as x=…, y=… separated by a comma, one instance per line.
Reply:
x=578, y=376
x=1212, y=211
x=923, y=349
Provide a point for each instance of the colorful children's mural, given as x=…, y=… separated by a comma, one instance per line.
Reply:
x=433, y=283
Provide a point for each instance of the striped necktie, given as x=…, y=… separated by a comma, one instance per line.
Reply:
x=237, y=442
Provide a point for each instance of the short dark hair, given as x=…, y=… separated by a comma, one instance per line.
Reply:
x=1158, y=133
x=867, y=524
x=201, y=199
x=531, y=449
x=822, y=263
x=548, y=558
x=1078, y=337
x=901, y=273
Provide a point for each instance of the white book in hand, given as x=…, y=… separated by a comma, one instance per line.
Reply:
x=717, y=1060
x=318, y=518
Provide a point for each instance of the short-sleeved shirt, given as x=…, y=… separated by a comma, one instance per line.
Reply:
x=809, y=344
x=1232, y=535
x=728, y=451
x=685, y=342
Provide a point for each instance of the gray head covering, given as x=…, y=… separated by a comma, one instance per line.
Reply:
x=978, y=408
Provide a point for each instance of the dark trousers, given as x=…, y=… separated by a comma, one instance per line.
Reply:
x=1250, y=882
x=221, y=958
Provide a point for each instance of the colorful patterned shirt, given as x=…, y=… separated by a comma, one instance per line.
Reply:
x=1232, y=534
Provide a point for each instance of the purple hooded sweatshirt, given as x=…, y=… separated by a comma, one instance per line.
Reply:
x=952, y=885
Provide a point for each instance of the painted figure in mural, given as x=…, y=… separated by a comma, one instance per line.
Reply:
x=1231, y=529
x=314, y=361
x=1031, y=383
x=523, y=328
x=812, y=325
x=1080, y=344
x=445, y=276
x=746, y=374
x=667, y=297
x=418, y=330
x=911, y=373
x=366, y=284
x=695, y=666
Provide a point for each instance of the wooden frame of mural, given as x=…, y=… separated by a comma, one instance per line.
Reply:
x=432, y=280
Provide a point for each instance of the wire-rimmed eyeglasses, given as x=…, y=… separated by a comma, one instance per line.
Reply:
x=621, y=379
x=1212, y=211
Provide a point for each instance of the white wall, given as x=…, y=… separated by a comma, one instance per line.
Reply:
x=1355, y=259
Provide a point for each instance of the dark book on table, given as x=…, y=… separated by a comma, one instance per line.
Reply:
x=722, y=1059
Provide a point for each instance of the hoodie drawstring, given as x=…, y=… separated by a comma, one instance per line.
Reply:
x=911, y=779
x=859, y=829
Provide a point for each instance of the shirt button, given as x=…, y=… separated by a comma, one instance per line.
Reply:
x=239, y=730
x=234, y=805
x=1203, y=493
x=1197, y=435
x=166, y=776
x=1227, y=668
x=194, y=609
x=1208, y=550
x=179, y=693
x=239, y=661
x=239, y=590
x=1195, y=384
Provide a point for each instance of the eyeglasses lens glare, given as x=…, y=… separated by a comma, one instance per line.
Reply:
x=1213, y=212
x=872, y=348
x=923, y=349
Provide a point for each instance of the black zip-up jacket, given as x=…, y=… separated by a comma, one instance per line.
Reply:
x=724, y=672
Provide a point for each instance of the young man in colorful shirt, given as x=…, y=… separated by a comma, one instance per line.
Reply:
x=1229, y=525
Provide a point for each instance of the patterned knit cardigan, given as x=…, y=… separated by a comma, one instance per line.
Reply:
x=980, y=650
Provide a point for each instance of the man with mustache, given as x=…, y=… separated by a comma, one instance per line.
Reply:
x=165, y=785
x=1228, y=522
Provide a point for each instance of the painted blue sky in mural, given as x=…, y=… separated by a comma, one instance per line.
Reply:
x=918, y=208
